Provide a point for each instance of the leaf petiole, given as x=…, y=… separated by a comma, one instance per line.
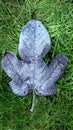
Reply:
x=33, y=102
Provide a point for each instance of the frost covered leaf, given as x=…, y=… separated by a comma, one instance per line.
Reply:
x=32, y=73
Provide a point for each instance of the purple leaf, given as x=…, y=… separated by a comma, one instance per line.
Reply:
x=33, y=74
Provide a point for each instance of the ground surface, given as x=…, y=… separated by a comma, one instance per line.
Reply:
x=50, y=113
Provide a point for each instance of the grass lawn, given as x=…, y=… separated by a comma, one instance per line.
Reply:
x=50, y=113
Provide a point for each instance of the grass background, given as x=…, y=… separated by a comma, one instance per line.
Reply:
x=51, y=113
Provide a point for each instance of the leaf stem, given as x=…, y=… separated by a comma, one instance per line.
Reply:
x=33, y=102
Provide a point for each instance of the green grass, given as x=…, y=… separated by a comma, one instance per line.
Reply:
x=50, y=113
